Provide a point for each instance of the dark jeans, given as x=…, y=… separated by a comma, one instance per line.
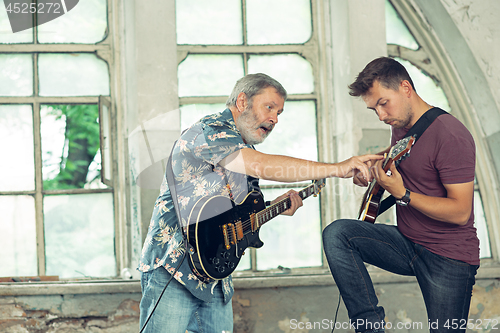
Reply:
x=446, y=284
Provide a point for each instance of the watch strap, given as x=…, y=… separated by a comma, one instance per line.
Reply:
x=405, y=200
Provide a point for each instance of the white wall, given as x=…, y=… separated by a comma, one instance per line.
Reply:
x=478, y=22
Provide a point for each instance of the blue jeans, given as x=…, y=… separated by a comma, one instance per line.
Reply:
x=446, y=284
x=179, y=310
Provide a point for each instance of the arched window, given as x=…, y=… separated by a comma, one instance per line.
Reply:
x=404, y=47
x=238, y=38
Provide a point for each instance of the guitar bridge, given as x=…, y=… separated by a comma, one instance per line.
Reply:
x=233, y=232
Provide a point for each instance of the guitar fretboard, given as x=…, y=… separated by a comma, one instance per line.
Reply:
x=236, y=230
x=279, y=207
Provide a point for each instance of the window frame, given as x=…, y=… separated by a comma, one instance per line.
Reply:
x=310, y=51
x=102, y=50
x=105, y=138
x=431, y=58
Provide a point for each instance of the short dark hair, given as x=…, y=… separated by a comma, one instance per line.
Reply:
x=253, y=84
x=389, y=72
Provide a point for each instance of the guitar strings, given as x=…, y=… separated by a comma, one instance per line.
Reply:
x=246, y=225
x=260, y=219
x=260, y=216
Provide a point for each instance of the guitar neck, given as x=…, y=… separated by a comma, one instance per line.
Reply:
x=387, y=163
x=279, y=207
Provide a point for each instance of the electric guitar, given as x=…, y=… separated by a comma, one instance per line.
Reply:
x=219, y=230
x=371, y=200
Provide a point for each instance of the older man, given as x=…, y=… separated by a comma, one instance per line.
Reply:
x=216, y=157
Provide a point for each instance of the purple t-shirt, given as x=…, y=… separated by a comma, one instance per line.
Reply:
x=444, y=154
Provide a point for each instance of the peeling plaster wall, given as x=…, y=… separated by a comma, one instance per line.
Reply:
x=312, y=309
x=103, y=313
x=485, y=302
x=470, y=34
x=290, y=309
x=477, y=21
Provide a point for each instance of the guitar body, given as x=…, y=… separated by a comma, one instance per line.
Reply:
x=371, y=204
x=220, y=230
x=212, y=255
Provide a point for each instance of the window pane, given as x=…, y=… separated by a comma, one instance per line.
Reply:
x=291, y=70
x=208, y=22
x=16, y=75
x=244, y=263
x=481, y=226
x=16, y=135
x=76, y=74
x=70, y=147
x=291, y=241
x=191, y=113
x=81, y=227
x=278, y=21
x=209, y=75
x=6, y=34
x=283, y=140
x=396, y=30
x=426, y=87
x=85, y=23
x=18, y=236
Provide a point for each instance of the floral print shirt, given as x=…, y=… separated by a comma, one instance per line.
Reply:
x=195, y=159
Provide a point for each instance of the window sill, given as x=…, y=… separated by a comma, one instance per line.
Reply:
x=322, y=277
x=242, y=280
x=304, y=279
x=70, y=287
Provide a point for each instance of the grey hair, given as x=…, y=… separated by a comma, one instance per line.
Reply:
x=253, y=84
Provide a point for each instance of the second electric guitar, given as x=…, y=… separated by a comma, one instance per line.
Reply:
x=371, y=200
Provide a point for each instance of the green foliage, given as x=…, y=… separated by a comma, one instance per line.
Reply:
x=82, y=138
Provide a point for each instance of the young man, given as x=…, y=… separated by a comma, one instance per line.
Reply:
x=214, y=157
x=435, y=239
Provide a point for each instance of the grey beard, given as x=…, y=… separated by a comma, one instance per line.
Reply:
x=244, y=125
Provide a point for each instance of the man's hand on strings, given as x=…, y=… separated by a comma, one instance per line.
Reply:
x=358, y=167
x=392, y=183
x=295, y=200
x=360, y=180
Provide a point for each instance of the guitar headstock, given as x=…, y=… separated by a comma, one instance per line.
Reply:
x=318, y=186
x=401, y=149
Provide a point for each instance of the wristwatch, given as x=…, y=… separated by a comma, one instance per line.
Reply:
x=405, y=200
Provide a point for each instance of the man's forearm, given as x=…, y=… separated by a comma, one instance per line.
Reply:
x=289, y=169
x=455, y=208
x=440, y=209
x=278, y=167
